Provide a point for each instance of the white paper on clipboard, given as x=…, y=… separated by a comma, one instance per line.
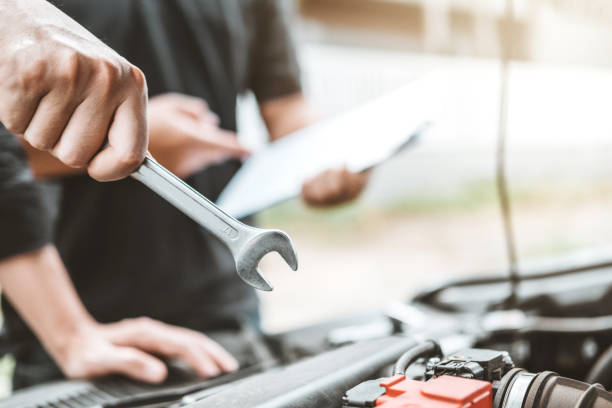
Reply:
x=357, y=139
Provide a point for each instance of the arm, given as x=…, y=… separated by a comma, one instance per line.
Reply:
x=63, y=90
x=286, y=114
x=275, y=80
x=37, y=284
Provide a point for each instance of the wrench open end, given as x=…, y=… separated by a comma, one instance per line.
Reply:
x=260, y=245
x=254, y=278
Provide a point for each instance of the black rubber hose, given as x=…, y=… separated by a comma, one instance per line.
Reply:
x=427, y=349
x=568, y=325
x=602, y=370
x=428, y=297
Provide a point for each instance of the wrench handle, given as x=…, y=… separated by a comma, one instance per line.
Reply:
x=189, y=201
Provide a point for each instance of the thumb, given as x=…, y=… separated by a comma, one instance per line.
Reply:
x=195, y=107
x=135, y=364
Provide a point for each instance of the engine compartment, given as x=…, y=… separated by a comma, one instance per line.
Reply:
x=548, y=346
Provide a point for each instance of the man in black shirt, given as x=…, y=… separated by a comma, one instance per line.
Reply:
x=129, y=253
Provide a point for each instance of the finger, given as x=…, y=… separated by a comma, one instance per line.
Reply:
x=175, y=343
x=212, y=119
x=352, y=184
x=308, y=193
x=187, y=345
x=20, y=93
x=134, y=364
x=312, y=193
x=182, y=348
x=49, y=120
x=335, y=186
x=355, y=183
x=127, y=142
x=84, y=134
x=213, y=350
x=346, y=186
x=193, y=106
x=16, y=115
x=329, y=187
x=224, y=359
x=201, y=362
x=222, y=140
x=196, y=160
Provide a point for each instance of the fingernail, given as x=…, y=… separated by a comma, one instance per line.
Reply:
x=232, y=365
x=213, y=372
x=156, y=372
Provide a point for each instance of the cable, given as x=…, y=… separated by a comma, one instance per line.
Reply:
x=428, y=296
x=427, y=349
x=570, y=325
x=502, y=183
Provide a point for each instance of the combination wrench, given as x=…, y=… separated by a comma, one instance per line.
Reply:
x=247, y=244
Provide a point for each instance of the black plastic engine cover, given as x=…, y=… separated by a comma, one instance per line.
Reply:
x=319, y=381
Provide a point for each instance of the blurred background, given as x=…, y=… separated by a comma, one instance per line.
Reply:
x=432, y=213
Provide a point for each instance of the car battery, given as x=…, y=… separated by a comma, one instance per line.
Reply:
x=441, y=392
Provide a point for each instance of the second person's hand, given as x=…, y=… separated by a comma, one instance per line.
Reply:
x=185, y=136
x=38, y=286
x=125, y=348
x=334, y=187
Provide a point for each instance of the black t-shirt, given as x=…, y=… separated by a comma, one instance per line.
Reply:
x=24, y=212
x=129, y=252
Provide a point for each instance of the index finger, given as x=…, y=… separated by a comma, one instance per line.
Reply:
x=223, y=140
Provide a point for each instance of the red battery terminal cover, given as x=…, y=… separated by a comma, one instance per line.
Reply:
x=442, y=392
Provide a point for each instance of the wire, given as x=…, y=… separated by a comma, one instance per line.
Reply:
x=428, y=296
x=569, y=325
x=506, y=47
x=427, y=349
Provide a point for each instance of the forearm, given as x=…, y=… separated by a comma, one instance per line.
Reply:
x=287, y=114
x=38, y=286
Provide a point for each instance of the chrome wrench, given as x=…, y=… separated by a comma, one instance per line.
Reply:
x=247, y=244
